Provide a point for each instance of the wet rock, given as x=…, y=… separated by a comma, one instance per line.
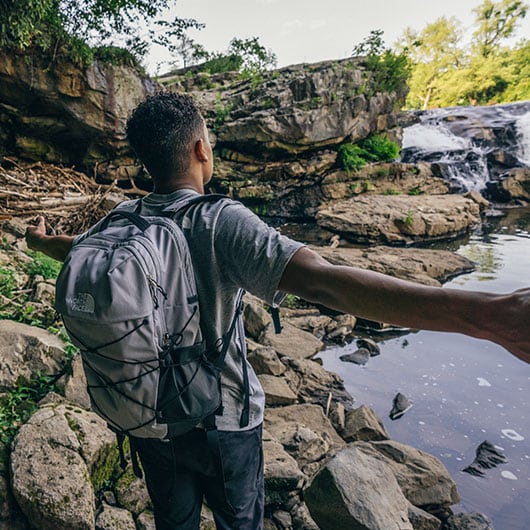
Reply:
x=370, y=345
x=360, y=357
x=487, y=456
x=400, y=405
x=468, y=521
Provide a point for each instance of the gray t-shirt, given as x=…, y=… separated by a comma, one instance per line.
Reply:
x=231, y=249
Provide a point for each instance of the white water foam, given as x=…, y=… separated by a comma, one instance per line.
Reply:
x=483, y=382
x=513, y=435
x=431, y=138
x=523, y=134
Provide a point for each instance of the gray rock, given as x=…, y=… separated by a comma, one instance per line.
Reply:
x=26, y=350
x=73, y=384
x=277, y=391
x=255, y=317
x=335, y=503
x=51, y=461
x=132, y=492
x=362, y=423
x=424, y=480
x=282, y=474
x=292, y=342
x=429, y=267
x=313, y=384
x=112, y=518
x=299, y=426
x=282, y=519
x=400, y=405
x=265, y=360
x=146, y=521
x=422, y=520
x=360, y=357
x=468, y=521
x=302, y=519
x=400, y=219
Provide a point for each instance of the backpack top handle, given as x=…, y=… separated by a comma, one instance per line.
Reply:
x=134, y=218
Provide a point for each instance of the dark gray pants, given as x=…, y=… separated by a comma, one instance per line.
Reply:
x=181, y=472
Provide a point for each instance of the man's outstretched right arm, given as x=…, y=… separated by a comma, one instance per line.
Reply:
x=501, y=318
x=56, y=247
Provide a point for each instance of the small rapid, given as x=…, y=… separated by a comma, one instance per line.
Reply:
x=470, y=146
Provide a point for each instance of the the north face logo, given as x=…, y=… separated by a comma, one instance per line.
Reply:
x=82, y=302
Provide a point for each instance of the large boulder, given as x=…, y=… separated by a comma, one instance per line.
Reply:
x=424, y=480
x=58, y=457
x=27, y=350
x=400, y=219
x=356, y=491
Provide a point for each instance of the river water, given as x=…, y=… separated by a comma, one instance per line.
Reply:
x=464, y=390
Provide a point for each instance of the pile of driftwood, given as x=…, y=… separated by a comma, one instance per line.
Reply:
x=69, y=200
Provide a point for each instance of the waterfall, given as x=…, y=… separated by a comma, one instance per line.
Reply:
x=523, y=134
x=470, y=146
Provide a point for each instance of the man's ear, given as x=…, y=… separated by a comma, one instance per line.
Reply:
x=200, y=150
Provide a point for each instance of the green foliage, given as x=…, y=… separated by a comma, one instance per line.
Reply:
x=221, y=62
x=19, y=403
x=408, y=219
x=42, y=265
x=221, y=113
x=375, y=148
x=70, y=28
x=448, y=72
x=291, y=301
x=255, y=58
x=7, y=281
x=496, y=21
x=416, y=190
x=351, y=157
x=390, y=70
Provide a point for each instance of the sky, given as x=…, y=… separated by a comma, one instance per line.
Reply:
x=300, y=31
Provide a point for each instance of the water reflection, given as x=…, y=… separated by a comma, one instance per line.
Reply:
x=464, y=390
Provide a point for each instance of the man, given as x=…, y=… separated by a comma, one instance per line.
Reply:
x=231, y=249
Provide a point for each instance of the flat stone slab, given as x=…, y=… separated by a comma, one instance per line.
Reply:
x=400, y=219
x=429, y=267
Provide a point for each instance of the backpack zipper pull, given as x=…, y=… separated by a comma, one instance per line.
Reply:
x=154, y=288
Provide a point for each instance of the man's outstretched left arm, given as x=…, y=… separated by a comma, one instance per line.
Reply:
x=56, y=247
x=501, y=318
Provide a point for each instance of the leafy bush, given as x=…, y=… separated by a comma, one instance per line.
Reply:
x=351, y=157
x=7, y=281
x=375, y=148
x=42, y=265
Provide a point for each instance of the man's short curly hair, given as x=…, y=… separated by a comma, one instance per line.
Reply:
x=162, y=130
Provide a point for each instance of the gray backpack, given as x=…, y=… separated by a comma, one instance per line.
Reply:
x=128, y=300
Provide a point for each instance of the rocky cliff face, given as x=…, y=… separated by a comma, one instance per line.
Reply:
x=277, y=135
x=62, y=114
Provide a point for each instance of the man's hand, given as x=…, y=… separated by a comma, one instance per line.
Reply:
x=56, y=247
x=35, y=235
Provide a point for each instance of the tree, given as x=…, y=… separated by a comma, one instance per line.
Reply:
x=390, y=71
x=496, y=21
x=434, y=51
x=255, y=58
x=75, y=27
